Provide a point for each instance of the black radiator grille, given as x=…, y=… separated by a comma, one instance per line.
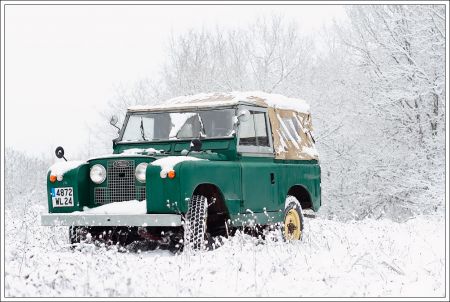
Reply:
x=101, y=196
x=121, y=184
x=120, y=177
x=140, y=193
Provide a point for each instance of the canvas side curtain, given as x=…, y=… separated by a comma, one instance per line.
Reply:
x=292, y=135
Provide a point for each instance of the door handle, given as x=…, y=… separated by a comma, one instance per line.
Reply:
x=272, y=178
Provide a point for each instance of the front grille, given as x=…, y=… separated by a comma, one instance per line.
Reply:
x=101, y=196
x=120, y=184
x=120, y=175
x=140, y=192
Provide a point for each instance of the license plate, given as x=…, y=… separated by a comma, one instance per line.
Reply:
x=62, y=197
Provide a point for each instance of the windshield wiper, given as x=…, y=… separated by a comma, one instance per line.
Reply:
x=142, y=129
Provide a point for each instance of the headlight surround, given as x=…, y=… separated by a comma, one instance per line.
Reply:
x=140, y=172
x=97, y=174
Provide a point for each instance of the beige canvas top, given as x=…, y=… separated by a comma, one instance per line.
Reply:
x=290, y=118
x=292, y=135
x=203, y=100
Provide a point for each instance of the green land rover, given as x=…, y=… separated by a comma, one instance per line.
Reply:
x=193, y=168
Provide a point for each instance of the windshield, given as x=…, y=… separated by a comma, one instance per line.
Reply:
x=179, y=125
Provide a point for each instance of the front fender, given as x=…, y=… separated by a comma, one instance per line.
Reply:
x=166, y=195
x=163, y=194
x=225, y=175
x=78, y=179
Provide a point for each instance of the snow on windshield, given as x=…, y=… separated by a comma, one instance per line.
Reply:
x=179, y=125
x=178, y=121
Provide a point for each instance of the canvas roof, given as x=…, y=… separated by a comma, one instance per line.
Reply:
x=290, y=118
x=209, y=100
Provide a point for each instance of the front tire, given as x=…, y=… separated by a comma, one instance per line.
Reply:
x=74, y=236
x=195, y=223
x=293, y=220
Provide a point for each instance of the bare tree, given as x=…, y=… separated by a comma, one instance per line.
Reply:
x=403, y=47
x=400, y=53
x=143, y=92
x=268, y=55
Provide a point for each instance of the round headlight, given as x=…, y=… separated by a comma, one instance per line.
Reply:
x=140, y=172
x=98, y=174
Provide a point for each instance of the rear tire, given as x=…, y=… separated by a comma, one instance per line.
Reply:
x=195, y=223
x=293, y=220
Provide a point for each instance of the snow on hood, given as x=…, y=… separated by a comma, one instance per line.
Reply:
x=167, y=163
x=231, y=98
x=117, y=155
x=130, y=152
x=60, y=168
x=130, y=207
x=140, y=151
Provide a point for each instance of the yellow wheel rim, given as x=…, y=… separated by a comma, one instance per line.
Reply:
x=292, y=225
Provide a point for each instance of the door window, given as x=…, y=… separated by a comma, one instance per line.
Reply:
x=253, y=132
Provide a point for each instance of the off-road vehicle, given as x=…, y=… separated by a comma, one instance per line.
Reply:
x=194, y=167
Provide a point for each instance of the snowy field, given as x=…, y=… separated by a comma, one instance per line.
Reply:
x=376, y=81
x=357, y=258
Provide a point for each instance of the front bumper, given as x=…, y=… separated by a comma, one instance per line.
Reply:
x=142, y=220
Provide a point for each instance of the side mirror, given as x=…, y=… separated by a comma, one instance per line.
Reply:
x=196, y=145
x=113, y=121
x=243, y=115
x=59, y=152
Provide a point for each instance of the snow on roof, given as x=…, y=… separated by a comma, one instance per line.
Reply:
x=202, y=100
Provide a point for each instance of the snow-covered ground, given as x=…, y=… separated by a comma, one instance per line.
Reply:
x=356, y=258
x=364, y=258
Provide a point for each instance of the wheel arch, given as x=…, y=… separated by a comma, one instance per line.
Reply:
x=302, y=194
x=218, y=213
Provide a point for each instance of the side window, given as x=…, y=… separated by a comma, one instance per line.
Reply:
x=261, y=129
x=247, y=134
x=253, y=132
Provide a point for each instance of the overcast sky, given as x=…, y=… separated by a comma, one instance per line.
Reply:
x=63, y=62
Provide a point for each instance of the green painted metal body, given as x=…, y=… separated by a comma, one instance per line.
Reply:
x=245, y=184
x=78, y=179
x=252, y=187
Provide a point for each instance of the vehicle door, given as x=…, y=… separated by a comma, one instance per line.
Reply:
x=258, y=171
